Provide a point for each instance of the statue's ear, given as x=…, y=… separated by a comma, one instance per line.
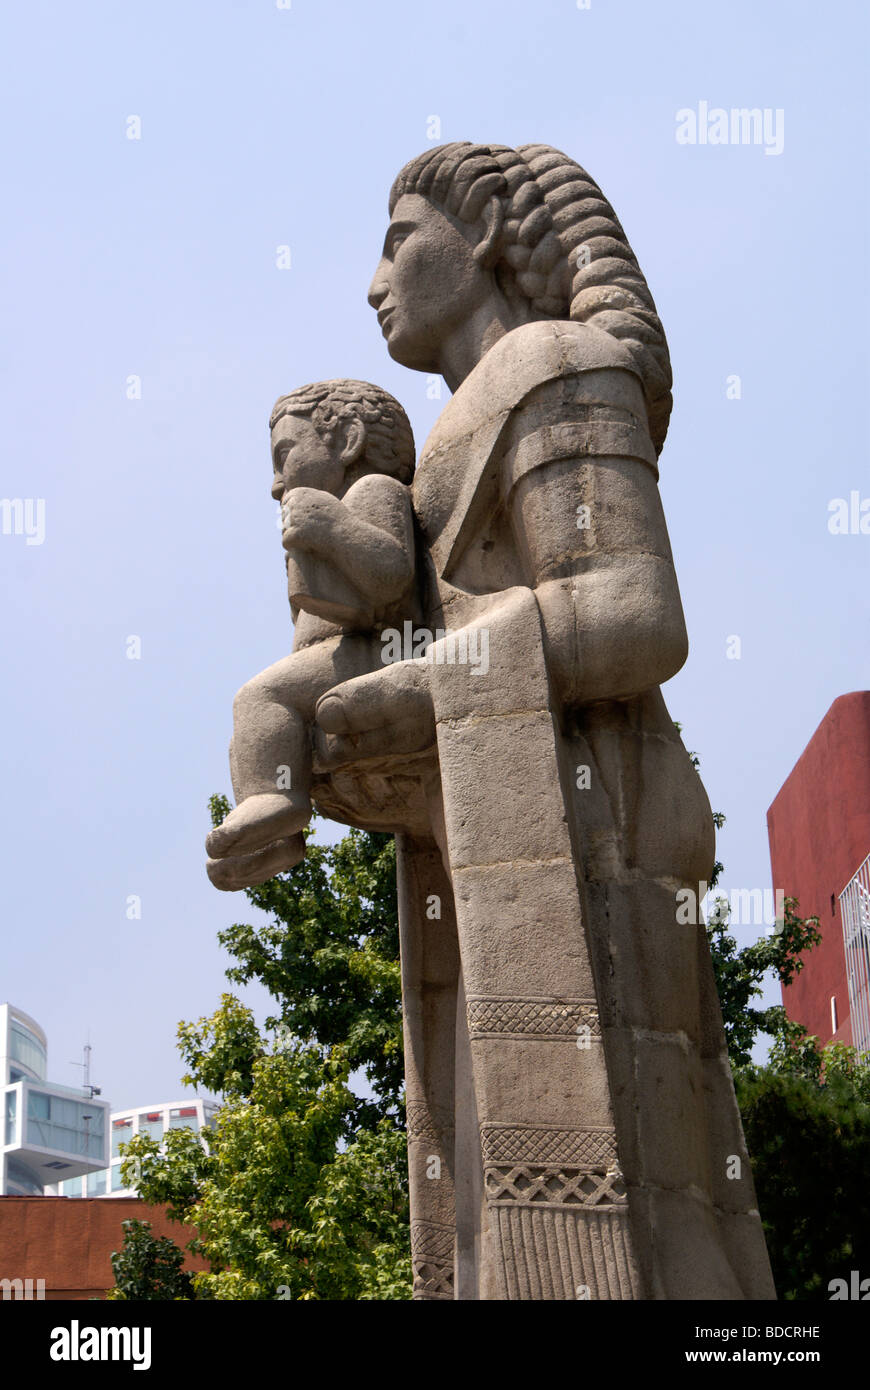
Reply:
x=354, y=441
x=487, y=249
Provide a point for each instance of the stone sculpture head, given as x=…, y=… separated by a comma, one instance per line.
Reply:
x=330, y=433
x=483, y=238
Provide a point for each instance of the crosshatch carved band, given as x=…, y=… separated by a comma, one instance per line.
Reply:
x=421, y=1123
x=429, y=1240
x=572, y=1148
x=432, y=1247
x=537, y=1018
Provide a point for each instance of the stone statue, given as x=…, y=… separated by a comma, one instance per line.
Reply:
x=572, y=1126
x=350, y=569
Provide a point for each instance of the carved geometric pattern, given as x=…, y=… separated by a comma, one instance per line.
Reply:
x=432, y=1260
x=580, y=1148
x=432, y=1240
x=530, y=1185
x=537, y=1018
x=422, y=1124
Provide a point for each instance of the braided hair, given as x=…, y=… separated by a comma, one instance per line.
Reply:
x=559, y=245
x=389, y=444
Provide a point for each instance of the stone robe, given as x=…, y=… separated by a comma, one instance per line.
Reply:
x=572, y=1125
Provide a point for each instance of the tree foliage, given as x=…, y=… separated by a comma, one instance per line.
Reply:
x=301, y=1189
x=809, y=1144
x=739, y=973
x=330, y=957
x=149, y=1268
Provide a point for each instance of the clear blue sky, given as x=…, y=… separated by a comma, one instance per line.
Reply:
x=262, y=127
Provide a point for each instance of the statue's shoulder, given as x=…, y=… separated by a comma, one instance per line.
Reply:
x=541, y=351
x=522, y=361
x=537, y=351
x=544, y=376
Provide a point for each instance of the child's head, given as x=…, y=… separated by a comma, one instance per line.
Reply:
x=330, y=433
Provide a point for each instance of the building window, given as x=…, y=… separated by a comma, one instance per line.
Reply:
x=20, y=1181
x=117, y=1180
x=70, y=1126
x=26, y=1048
x=96, y=1183
x=185, y=1117
x=151, y=1123
x=38, y=1105
x=122, y=1133
x=11, y=1114
x=855, y=914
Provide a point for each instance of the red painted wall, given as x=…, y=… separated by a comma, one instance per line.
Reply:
x=819, y=832
x=68, y=1241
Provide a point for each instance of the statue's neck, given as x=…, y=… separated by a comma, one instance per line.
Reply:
x=463, y=349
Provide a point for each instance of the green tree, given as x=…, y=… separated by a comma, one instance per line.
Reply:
x=739, y=973
x=277, y=1202
x=301, y=1190
x=149, y=1267
x=330, y=958
x=809, y=1144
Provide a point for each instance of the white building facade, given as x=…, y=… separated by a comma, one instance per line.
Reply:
x=50, y=1132
x=154, y=1120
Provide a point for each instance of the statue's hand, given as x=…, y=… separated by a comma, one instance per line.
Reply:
x=385, y=712
x=312, y=520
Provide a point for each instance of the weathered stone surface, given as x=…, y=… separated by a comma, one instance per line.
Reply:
x=350, y=561
x=565, y=1057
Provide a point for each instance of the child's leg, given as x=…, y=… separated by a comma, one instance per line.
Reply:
x=270, y=755
x=270, y=763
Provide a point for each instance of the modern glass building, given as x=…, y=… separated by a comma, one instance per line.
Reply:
x=154, y=1120
x=49, y=1131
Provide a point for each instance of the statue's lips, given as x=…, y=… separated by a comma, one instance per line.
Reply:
x=383, y=319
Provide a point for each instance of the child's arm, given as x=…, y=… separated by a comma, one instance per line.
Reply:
x=369, y=536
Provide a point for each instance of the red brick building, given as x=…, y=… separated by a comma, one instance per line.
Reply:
x=819, y=831
x=68, y=1244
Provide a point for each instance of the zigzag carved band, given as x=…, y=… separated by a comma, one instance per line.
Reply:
x=533, y=1185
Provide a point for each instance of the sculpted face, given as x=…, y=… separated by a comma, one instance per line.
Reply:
x=427, y=284
x=300, y=458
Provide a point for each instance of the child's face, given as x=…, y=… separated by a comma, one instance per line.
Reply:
x=301, y=459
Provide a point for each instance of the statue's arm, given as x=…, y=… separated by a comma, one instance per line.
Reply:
x=592, y=534
x=368, y=536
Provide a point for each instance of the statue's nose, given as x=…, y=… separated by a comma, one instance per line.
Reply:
x=379, y=287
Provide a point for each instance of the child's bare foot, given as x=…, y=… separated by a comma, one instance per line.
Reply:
x=257, y=821
x=247, y=870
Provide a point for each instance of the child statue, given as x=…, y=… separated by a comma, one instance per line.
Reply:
x=343, y=455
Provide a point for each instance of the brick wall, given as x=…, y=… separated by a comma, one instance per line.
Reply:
x=68, y=1241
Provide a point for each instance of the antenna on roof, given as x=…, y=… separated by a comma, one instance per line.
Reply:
x=89, y=1090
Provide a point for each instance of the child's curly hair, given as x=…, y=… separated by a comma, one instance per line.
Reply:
x=389, y=443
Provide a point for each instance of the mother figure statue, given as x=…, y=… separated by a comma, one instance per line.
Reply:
x=572, y=1125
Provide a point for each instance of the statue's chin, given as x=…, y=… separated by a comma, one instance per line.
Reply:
x=416, y=358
